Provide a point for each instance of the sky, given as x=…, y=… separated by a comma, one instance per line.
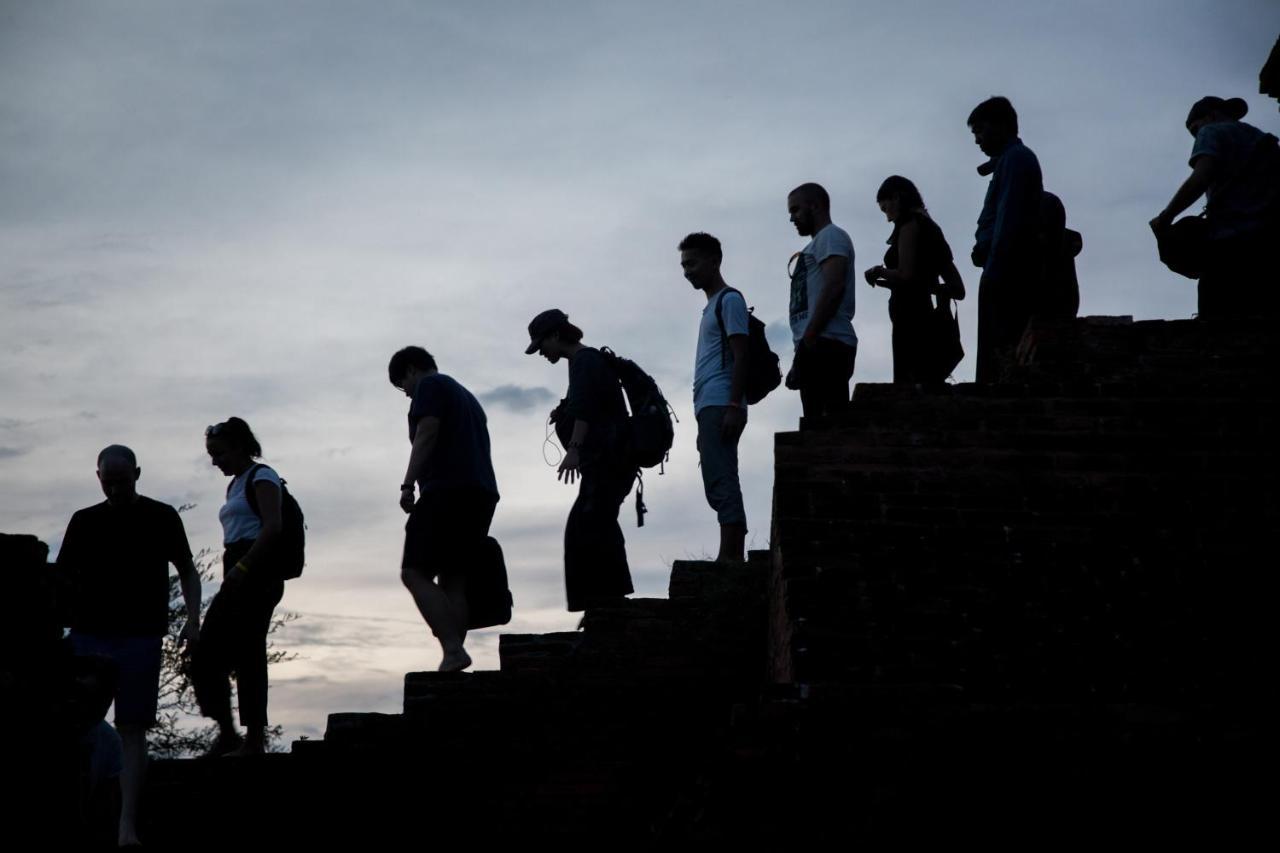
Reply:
x=243, y=208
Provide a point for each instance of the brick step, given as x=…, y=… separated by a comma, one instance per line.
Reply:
x=536, y=652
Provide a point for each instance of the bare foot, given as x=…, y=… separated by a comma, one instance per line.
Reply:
x=455, y=661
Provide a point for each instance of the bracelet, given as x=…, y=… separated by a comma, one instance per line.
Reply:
x=241, y=566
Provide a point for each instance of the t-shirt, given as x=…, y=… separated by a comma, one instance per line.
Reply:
x=460, y=459
x=119, y=557
x=595, y=396
x=1246, y=182
x=712, y=366
x=239, y=521
x=806, y=284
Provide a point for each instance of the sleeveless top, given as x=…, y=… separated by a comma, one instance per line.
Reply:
x=932, y=256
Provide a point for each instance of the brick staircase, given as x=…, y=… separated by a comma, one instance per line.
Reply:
x=1022, y=613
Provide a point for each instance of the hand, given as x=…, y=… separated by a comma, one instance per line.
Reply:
x=735, y=421
x=569, y=467
x=810, y=340
x=978, y=256
x=1161, y=221
x=190, y=635
x=406, y=499
x=233, y=579
x=874, y=274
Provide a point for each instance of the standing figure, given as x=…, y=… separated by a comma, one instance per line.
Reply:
x=719, y=389
x=451, y=466
x=822, y=305
x=1237, y=166
x=1007, y=242
x=234, y=636
x=117, y=555
x=917, y=267
x=593, y=418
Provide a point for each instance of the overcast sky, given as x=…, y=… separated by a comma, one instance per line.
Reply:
x=210, y=209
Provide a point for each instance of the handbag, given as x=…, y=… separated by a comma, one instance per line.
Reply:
x=945, y=349
x=489, y=599
x=1184, y=246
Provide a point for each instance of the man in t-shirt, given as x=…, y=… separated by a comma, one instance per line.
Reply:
x=1237, y=166
x=1007, y=240
x=822, y=303
x=719, y=383
x=116, y=555
x=451, y=467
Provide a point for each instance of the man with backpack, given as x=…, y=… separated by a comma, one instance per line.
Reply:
x=448, y=527
x=720, y=374
x=116, y=556
x=591, y=423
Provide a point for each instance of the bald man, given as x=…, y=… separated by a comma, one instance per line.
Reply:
x=118, y=553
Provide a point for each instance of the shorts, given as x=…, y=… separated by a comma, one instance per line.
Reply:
x=445, y=531
x=138, y=662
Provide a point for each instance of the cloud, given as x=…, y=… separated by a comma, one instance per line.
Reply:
x=778, y=334
x=517, y=398
x=12, y=452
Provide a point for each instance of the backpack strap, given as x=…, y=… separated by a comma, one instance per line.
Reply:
x=724, y=335
x=249, y=497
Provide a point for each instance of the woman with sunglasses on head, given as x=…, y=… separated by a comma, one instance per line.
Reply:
x=233, y=637
x=917, y=267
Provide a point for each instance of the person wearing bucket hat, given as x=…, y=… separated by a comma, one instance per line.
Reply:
x=590, y=422
x=1230, y=247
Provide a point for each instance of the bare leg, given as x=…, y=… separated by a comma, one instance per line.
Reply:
x=441, y=618
x=132, y=776
x=732, y=541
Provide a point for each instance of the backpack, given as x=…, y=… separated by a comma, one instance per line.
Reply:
x=650, y=432
x=488, y=596
x=763, y=373
x=289, y=557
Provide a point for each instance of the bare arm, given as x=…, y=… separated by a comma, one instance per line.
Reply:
x=425, y=434
x=908, y=260
x=735, y=419
x=572, y=458
x=834, y=270
x=1192, y=188
x=952, y=285
x=268, y=498
x=191, y=593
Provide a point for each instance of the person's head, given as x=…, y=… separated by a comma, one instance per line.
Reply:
x=994, y=123
x=810, y=208
x=700, y=256
x=118, y=474
x=552, y=336
x=897, y=196
x=1211, y=109
x=232, y=446
x=409, y=365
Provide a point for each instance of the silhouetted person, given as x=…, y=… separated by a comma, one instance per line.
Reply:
x=594, y=416
x=1008, y=237
x=917, y=267
x=1059, y=294
x=1237, y=166
x=234, y=636
x=117, y=554
x=450, y=464
x=822, y=305
x=719, y=386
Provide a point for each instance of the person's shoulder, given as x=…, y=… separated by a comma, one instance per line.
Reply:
x=1020, y=156
x=834, y=237
x=88, y=514
x=265, y=472
x=152, y=505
